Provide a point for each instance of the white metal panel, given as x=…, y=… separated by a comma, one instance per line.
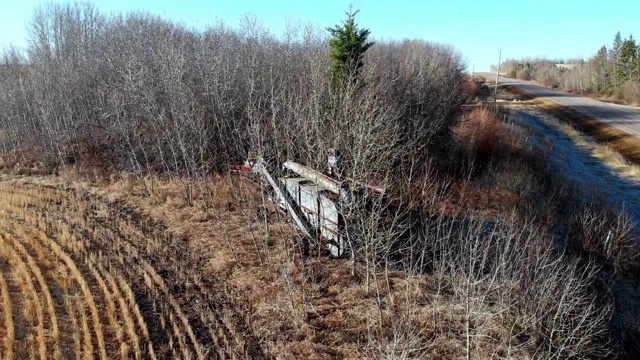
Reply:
x=329, y=227
x=309, y=202
x=321, y=212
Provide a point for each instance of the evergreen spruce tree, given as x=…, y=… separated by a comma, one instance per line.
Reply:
x=348, y=45
x=527, y=71
x=613, y=61
x=601, y=75
x=626, y=60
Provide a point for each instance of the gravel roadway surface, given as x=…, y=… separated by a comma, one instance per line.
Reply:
x=626, y=118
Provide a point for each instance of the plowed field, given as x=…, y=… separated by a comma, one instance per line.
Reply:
x=82, y=277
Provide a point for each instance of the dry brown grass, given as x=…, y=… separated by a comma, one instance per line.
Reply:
x=33, y=313
x=53, y=333
x=111, y=313
x=9, y=334
x=480, y=132
x=247, y=262
x=226, y=277
x=88, y=297
x=135, y=309
x=40, y=260
x=313, y=308
x=128, y=321
x=75, y=329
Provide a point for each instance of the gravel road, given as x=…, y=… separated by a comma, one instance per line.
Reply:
x=626, y=118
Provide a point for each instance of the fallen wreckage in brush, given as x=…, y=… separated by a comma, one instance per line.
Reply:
x=319, y=205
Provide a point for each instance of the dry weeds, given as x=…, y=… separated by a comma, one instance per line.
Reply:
x=226, y=277
x=8, y=334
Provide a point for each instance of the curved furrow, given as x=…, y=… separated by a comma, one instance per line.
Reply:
x=53, y=332
x=33, y=313
x=86, y=293
x=127, y=319
x=128, y=265
x=118, y=246
x=113, y=321
x=216, y=331
x=9, y=333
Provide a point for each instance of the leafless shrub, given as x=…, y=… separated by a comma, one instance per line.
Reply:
x=548, y=75
x=472, y=90
x=606, y=234
x=631, y=92
x=481, y=135
x=512, y=273
x=146, y=95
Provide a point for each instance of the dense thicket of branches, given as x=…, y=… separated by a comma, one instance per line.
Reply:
x=141, y=94
x=613, y=71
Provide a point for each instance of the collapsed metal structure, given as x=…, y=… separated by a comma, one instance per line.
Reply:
x=317, y=204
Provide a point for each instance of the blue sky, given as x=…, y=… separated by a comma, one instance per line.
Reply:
x=478, y=29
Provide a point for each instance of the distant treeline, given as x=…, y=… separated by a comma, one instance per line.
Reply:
x=613, y=71
x=140, y=93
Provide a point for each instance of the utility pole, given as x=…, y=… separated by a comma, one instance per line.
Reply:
x=495, y=91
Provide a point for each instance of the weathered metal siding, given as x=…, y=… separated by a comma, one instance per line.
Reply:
x=320, y=211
